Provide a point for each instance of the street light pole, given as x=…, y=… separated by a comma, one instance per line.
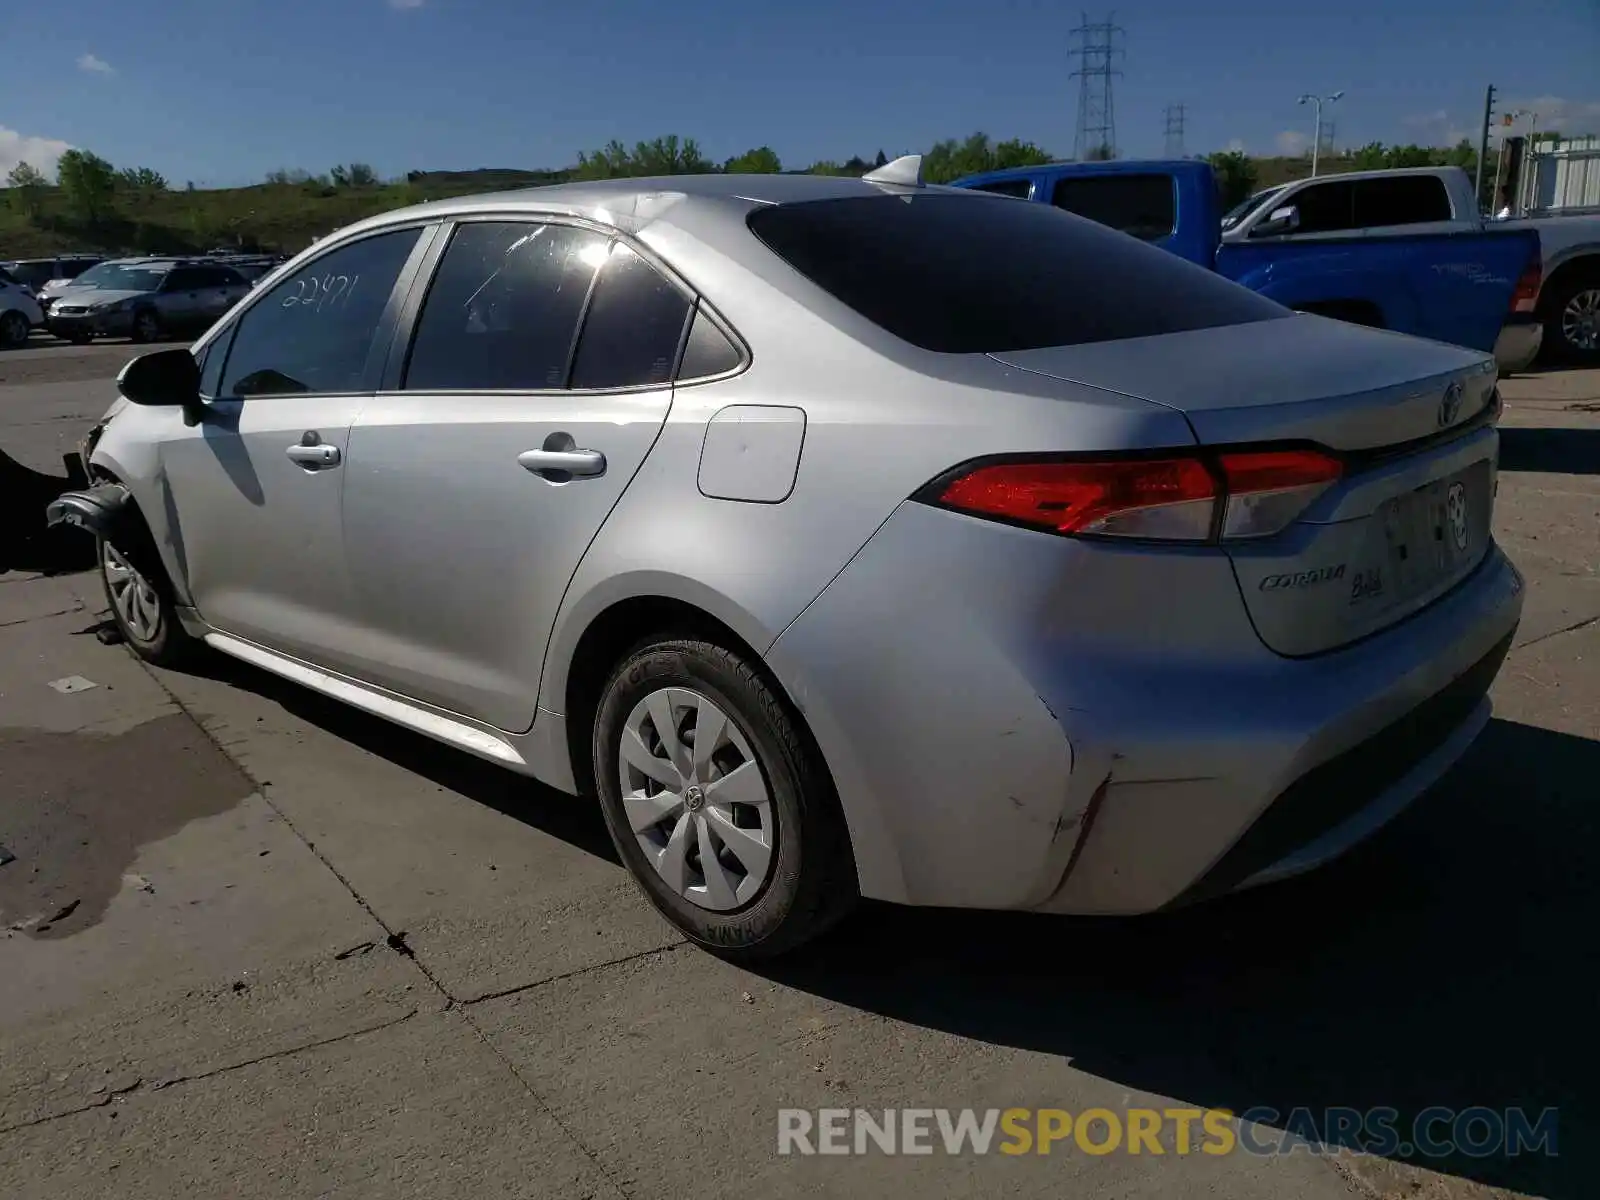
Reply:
x=1316, y=142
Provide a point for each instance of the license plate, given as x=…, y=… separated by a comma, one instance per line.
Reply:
x=1431, y=536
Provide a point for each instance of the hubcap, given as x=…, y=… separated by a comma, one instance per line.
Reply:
x=135, y=600
x=696, y=800
x=13, y=329
x=1580, y=320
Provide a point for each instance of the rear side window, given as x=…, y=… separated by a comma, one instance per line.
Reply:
x=1401, y=200
x=967, y=275
x=314, y=330
x=1020, y=188
x=503, y=309
x=1143, y=206
x=708, y=351
x=1326, y=207
x=633, y=328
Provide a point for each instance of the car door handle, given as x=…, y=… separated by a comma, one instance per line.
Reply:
x=313, y=453
x=560, y=465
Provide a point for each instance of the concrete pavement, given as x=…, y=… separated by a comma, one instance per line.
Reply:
x=257, y=944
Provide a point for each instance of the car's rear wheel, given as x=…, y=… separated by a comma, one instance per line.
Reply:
x=13, y=329
x=141, y=599
x=1572, y=320
x=718, y=802
x=146, y=325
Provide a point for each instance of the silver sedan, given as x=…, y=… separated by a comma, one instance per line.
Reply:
x=845, y=537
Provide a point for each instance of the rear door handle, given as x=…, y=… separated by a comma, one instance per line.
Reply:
x=560, y=465
x=312, y=453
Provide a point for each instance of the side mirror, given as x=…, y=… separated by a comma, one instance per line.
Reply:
x=1283, y=220
x=164, y=379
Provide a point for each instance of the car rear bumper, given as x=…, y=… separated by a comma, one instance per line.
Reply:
x=1518, y=344
x=1020, y=721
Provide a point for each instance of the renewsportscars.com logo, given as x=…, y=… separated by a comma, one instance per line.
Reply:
x=1434, y=1132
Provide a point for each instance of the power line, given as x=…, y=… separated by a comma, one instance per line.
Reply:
x=1175, y=130
x=1097, y=51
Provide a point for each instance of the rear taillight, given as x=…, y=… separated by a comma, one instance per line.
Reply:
x=1185, y=498
x=1525, y=297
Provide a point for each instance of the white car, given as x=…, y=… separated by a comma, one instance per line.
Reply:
x=19, y=313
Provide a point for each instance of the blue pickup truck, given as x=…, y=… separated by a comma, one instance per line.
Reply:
x=1377, y=249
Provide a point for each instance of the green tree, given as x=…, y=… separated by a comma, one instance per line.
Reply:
x=27, y=184
x=89, y=183
x=1015, y=153
x=141, y=179
x=1236, y=176
x=1371, y=157
x=1409, y=156
x=761, y=161
x=662, y=156
x=361, y=174
x=1101, y=153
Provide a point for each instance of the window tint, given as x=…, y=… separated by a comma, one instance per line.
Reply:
x=1020, y=188
x=211, y=363
x=962, y=274
x=186, y=279
x=1401, y=200
x=1325, y=208
x=313, y=331
x=633, y=328
x=1140, y=205
x=708, y=350
x=504, y=307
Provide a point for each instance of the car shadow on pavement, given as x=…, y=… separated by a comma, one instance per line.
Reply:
x=1556, y=451
x=1451, y=961
x=575, y=821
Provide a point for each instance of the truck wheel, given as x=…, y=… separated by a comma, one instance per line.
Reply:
x=1572, y=320
x=13, y=329
x=718, y=802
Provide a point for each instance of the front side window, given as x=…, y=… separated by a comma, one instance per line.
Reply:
x=185, y=279
x=1143, y=206
x=1325, y=208
x=503, y=309
x=314, y=330
x=633, y=327
x=967, y=275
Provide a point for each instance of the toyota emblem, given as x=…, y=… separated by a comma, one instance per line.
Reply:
x=1450, y=406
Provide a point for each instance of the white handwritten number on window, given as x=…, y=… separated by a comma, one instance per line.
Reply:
x=331, y=291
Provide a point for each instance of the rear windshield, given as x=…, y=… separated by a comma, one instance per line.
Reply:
x=965, y=274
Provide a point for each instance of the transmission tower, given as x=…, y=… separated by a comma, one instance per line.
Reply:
x=1326, y=149
x=1097, y=48
x=1174, y=131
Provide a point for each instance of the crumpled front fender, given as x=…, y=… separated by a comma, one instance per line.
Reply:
x=97, y=509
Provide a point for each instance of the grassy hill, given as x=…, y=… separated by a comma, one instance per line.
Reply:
x=286, y=217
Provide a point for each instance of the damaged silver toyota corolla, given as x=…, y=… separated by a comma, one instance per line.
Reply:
x=844, y=536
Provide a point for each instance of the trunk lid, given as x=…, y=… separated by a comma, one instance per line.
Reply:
x=1303, y=378
x=1411, y=517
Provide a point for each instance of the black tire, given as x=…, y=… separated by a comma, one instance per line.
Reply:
x=146, y=326
x=1556, y=343
x=811, y=884
x=167, y=644
x=13, y=330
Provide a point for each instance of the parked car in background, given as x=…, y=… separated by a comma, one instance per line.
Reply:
x=1569, y=300
x=145, y=299
x=1393, y=249
x=39, y=273
x=847, y=536
x=19, y=311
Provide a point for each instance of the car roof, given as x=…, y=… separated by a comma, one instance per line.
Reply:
x=634, y=201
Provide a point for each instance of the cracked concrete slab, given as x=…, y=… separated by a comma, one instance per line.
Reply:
x=418, y=1109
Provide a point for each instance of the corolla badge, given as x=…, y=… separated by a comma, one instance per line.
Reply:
x=1450, y=406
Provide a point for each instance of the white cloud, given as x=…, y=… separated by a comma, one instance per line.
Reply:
x=95, y=65
x=1438, y=128
x=39, y=152
x=1571, y=117
x=1292, y=142
x=404, y=5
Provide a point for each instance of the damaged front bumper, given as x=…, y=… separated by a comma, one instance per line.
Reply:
x=97, y=509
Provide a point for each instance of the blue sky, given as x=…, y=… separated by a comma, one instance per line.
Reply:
x=222, y=91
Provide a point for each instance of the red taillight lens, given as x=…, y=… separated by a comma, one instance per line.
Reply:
x=1170, y=499
x=1525, y=297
